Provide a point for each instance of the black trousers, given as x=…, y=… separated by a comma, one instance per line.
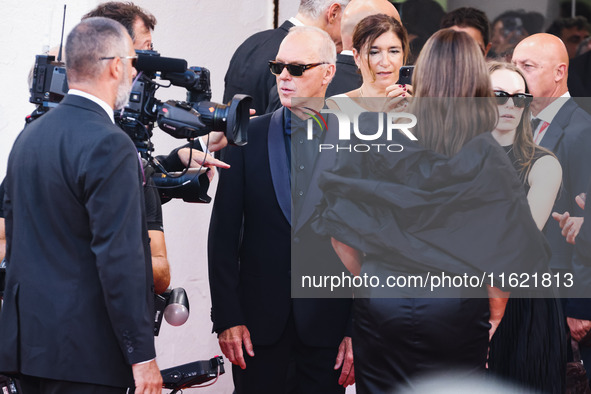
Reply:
x=35, y=385
x=289, y=366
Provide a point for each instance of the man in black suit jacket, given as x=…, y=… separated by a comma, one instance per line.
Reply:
x=250, y=249
x=78, y=313
x=565, y=129
x=248, y=72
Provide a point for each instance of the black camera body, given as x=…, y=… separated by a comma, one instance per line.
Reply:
x=195, y=373
x=49, y=84
x=188, y=119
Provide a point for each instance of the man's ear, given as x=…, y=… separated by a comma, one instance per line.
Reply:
x=116, y=68
x=333, y=13
x=329, y=74
x=560, y=72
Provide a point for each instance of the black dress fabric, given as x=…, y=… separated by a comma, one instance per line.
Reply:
x=529, y=346
x=421, y=211
x=417, y=211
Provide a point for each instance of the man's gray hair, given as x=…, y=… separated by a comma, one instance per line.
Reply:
x=313, y=8
x=327, y=50
x=90, y=40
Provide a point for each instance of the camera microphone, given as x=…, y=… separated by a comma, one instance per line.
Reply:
x=150, y=63
x=176, y=312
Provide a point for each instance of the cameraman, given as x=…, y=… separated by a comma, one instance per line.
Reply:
x=139, y=24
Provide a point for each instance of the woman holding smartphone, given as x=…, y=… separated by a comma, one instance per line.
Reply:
x=380, y=48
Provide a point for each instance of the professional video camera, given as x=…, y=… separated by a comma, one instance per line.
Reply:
x=195, y=117
x=182, y=119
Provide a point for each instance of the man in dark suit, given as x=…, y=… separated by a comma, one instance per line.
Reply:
x=561, y=126
x=78, y=313
x=248, y=72
x=260, y=328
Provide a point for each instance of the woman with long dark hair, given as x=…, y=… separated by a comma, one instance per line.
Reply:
x=431, y=209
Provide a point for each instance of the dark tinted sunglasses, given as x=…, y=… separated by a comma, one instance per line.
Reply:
x=520, y=100
x=132, y=58
x=296, y=70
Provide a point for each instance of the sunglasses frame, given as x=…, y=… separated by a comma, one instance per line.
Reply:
x=520, y=100
x=295, y=70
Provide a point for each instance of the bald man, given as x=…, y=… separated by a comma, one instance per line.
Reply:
x=564, y=128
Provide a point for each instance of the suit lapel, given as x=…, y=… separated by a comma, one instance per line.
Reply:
x=556, y=129
x=552, y=137
x=278, y=163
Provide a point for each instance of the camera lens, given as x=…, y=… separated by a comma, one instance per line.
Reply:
x=231, y=118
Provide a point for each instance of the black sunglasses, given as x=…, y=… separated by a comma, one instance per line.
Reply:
x=133, y=59
x=296, y=70
x=520, y=100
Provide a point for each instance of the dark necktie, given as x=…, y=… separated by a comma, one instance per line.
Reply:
x=535, y=122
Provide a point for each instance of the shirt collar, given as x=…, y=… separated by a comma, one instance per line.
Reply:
x=347, y=52
x=548, y=113
x=103, y=105
x=296, y=21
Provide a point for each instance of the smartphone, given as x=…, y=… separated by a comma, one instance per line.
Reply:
x=405, y=75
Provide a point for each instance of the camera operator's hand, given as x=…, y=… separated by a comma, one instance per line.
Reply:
x=231, y=341
x=199, y=159
x=215, y=140
x=147, y=377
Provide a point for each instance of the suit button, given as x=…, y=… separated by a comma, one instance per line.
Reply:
x=130, y=349
x=296, y=240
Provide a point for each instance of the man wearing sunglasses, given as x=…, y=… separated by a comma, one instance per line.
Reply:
x=261, y=329
x=78, y=305
x=561, y=126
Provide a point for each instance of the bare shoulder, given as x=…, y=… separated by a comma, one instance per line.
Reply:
x=547, y=169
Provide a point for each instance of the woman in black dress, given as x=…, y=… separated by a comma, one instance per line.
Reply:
x=528, y=348
x=449, y=203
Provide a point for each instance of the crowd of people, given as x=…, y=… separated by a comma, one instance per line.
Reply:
x=487, y=181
